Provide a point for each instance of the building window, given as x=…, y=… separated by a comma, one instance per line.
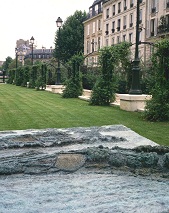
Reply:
x=152, y=27
x=167, y=4
x=107, y=29
x=118, y=39
x=131, y=3
x=125, y=4
x=112, y=41
x=107, y=13
x=113, y=26
x=131, y=37
x=119, y=7
x=124, y=37
x=88, y=29
x=118, y=24
x=114, y=9
x=99, y=24
x=99, y=44
x=107, y=42
x=88, y=47
x=94, y=27
x=131, y=19
x=93, y=43
x=140, y=20
x=124, y=22
x=153, y=6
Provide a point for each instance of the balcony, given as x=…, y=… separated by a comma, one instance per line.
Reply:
x=94, y=13
x=131, y=5
x=107, y=32
x=113, y=30
x=153, y=10
x=125, y=8
x=131, y=24
x=124, y=27
x=118, y=28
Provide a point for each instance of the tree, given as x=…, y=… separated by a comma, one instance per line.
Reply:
x=6, y=64
x=157, y=109
x=74, y=83
x=70, y=40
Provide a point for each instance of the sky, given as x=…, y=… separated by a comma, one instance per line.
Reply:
x=23, y=19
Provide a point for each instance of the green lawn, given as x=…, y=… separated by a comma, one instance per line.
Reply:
x=22, y=108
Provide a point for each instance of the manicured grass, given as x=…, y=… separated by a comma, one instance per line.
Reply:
x=22, y=108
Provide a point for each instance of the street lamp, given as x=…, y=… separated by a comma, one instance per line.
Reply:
x=32, y=42
x=3, y=73
x=59, y=25
x=135, y=87
x=16, y=52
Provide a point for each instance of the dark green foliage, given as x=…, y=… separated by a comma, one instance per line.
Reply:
x=90, y=76
x=6, y=64
x=157, y=109
x=11, y=77
x=74, y=83
x=70, y=40
x=26, y=73
x=19, y=76
x=40, y=82
x=31, y=76
x=111, y=59
x=163, y=25
x=102, y=93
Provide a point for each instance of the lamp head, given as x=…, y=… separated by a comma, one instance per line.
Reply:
x=59, y=22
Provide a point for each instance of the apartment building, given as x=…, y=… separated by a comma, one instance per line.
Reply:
x=157, y=19
x=93, y=38
x=40, y=54
x=116, y=22
x=119, y=22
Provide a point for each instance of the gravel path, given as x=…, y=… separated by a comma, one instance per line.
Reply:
x=83, y=192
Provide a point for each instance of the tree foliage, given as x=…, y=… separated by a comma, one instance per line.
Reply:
x=74, y=83
x=157, y=109
x=6, y=64
x=70, y=40
x=110, y=58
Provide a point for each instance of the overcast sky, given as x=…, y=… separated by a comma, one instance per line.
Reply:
x=21, y=19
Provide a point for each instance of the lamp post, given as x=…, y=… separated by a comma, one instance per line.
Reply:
x=32, y=42
x=16, y=53
x=135, y=87
x=59, y=25
x=3, y=76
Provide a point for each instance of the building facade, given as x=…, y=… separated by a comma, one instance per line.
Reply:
x=157, y=19
x=24, y=51
x=93, y=38
x=119, y=18
x=116, y=22
x=42, y=54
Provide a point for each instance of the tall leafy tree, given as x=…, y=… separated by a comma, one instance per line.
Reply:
x=6, y=64
x=70, y=40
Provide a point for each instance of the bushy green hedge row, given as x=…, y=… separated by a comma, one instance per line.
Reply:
x=30, y=76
